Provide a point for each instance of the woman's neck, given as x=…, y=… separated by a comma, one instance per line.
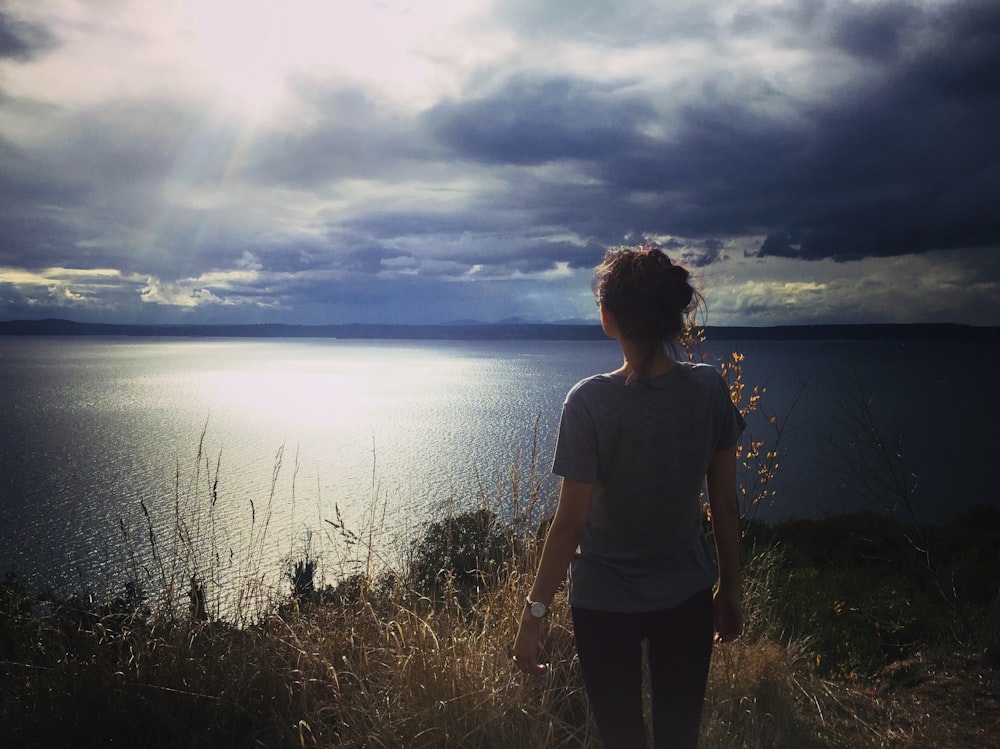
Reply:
x=642, y=362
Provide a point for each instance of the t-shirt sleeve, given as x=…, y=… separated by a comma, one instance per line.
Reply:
x=576, y=455
x=732, y=421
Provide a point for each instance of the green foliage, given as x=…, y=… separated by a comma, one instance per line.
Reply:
x=373, y=662
x=461, y=553
x=853, y=587
x=867, y=539
x=855, y=623
x=972, y=542
x=302, y=576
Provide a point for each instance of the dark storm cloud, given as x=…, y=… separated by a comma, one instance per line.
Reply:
x=496, y=241
x=97, y=171
x=497, y=173
x=348, y=134
x=902, y=157
x=394, y=224
x=33, y=229
x=91, y=194
x=20, y=40
x=543, y=256
x=873, y=33
x=910, y=161
x=609, y=22
x=369, y=260
x=537, y=121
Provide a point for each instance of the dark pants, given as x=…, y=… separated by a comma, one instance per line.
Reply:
x=679, y=648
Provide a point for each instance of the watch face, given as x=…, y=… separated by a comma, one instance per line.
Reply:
x=537, y=609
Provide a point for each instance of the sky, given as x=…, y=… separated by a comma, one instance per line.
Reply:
x=424, y=161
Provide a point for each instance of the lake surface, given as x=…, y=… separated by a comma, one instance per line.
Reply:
x=229, y=451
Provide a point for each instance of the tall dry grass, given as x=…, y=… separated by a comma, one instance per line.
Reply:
x=371, y=660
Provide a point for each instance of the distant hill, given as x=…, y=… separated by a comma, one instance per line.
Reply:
x=865, y=332
x=464, y=331
x=506, y=331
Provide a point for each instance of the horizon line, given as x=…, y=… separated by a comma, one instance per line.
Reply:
x=493, y=330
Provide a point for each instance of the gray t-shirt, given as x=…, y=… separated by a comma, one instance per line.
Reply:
x=646, y=447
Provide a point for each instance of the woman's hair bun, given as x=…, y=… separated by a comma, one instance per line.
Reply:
x=647, y=293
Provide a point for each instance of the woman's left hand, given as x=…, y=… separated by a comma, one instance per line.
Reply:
x=527, y=643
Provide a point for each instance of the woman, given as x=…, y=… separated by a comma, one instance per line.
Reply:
x=635, y=447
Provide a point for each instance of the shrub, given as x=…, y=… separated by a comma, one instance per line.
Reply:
x=461, y=553
x=16, y=624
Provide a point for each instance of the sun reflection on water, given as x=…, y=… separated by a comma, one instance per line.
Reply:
x=291, y=431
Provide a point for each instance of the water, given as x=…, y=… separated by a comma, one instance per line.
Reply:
x=99, y=432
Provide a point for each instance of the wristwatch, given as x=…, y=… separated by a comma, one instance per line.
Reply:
x=536, y=608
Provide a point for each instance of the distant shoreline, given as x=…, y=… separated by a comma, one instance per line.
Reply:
x=944, y=332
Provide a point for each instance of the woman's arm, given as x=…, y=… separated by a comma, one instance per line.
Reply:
x=561, y=543
x=721, y=480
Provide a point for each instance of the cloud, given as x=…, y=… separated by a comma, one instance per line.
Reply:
x=897, y=155
x=609, y=23
x=906, y=159
x=530, y=121
x=813, y=140
x=21, y=40
x=933, y=287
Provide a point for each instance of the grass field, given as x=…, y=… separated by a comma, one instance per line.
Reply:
x=418, y=656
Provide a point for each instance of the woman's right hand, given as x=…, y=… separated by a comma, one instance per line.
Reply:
x=727, y=611
x=527, y=644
